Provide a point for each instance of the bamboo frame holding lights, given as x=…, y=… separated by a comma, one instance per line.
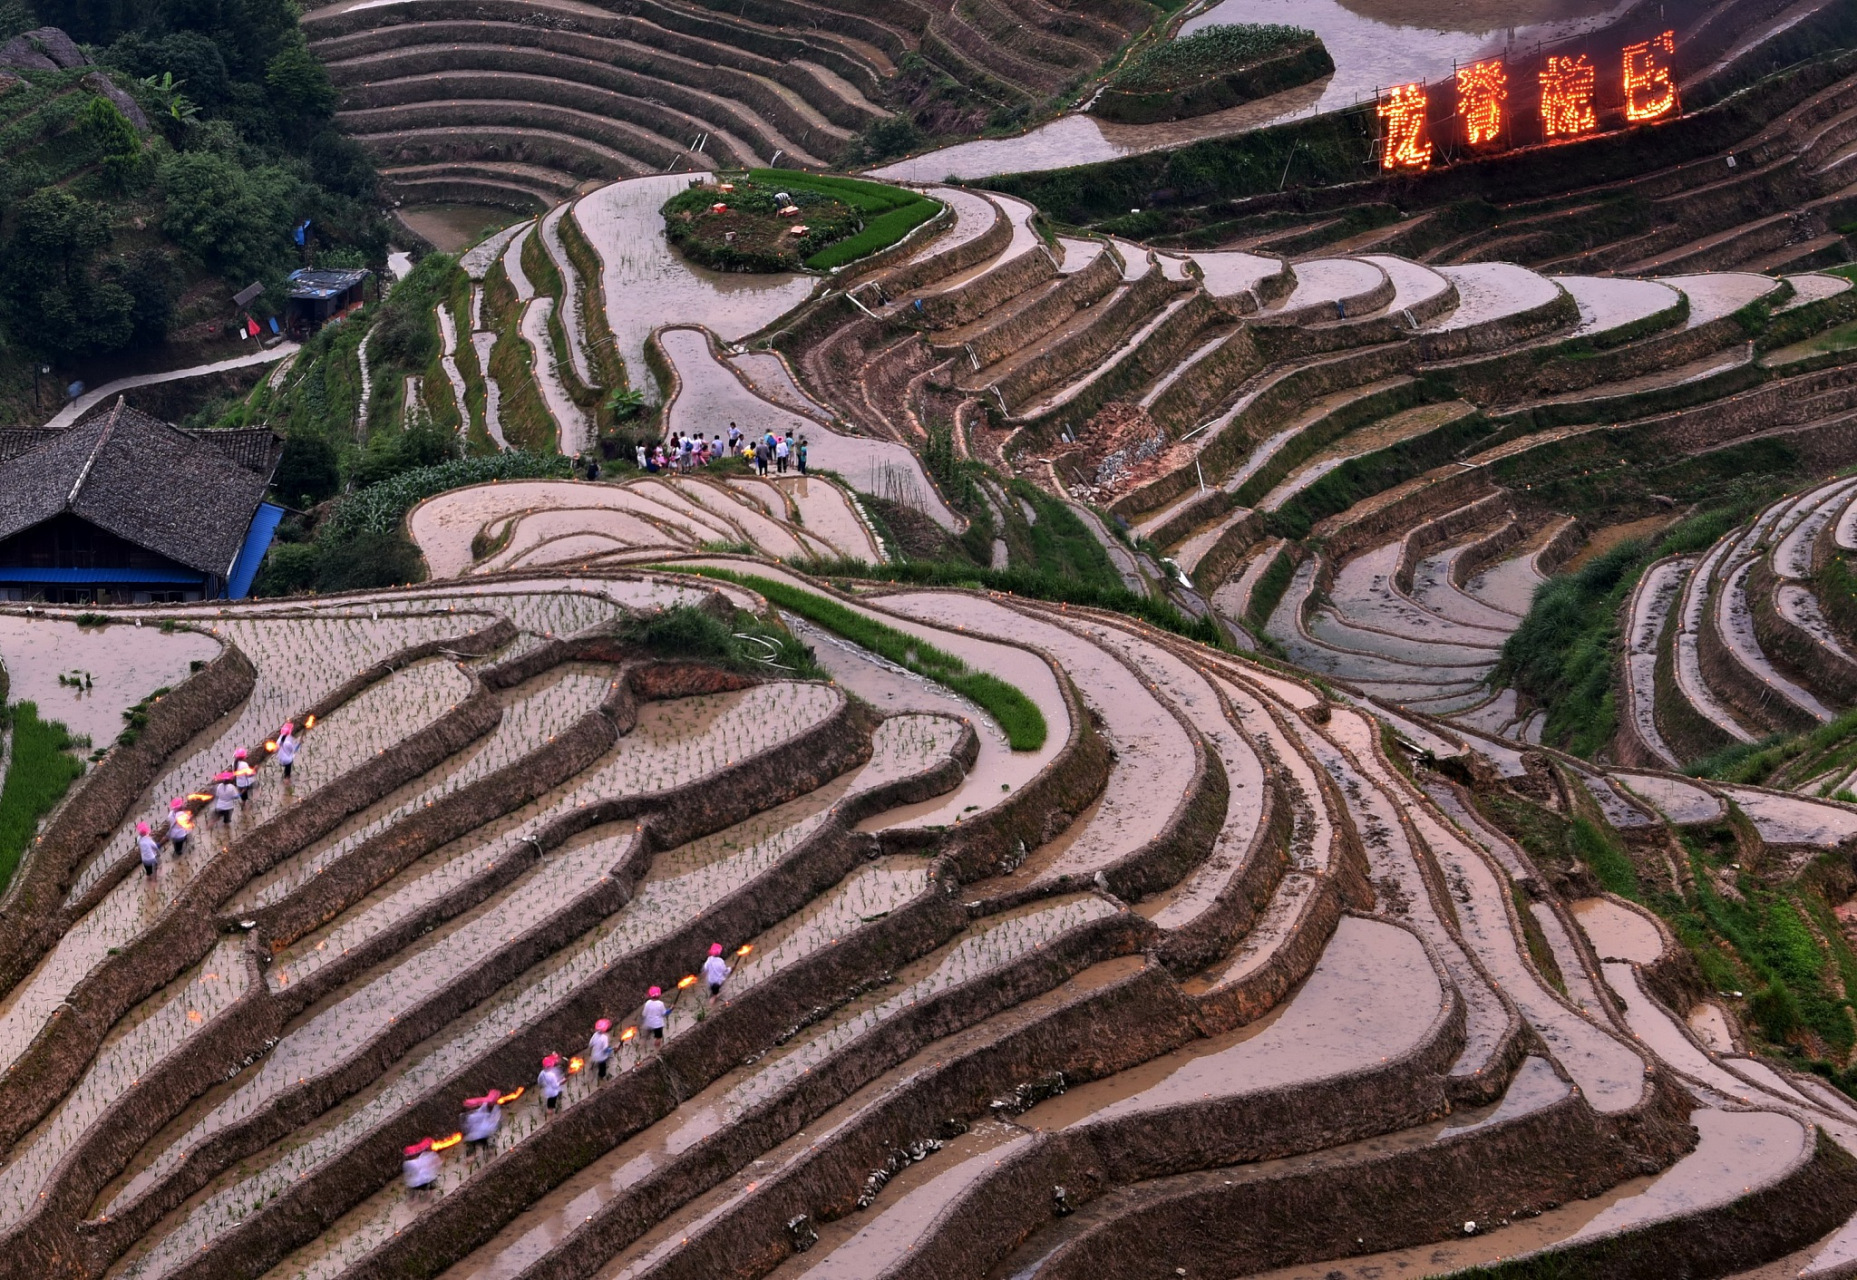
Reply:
x=1650, y=89
x=1568, y=86
x=1404, y=144
x=1483, y=100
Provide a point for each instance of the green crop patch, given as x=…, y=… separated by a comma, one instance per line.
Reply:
x=41, y=770
x=1017, y=714
x=769, y=220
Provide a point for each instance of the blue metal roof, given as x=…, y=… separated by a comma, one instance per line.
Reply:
x=251, y=554
x=104, y=577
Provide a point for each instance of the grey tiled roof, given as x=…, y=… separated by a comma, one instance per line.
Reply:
x=254, y=448
x=155, y=485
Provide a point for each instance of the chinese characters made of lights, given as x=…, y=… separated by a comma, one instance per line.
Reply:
x=1650, y=90
x=1405, y=144
x=1567, y=90
x=1482, y=100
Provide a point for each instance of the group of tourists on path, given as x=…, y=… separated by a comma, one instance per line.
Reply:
x=483, y=1115
x=685, y=453
x=230, y=791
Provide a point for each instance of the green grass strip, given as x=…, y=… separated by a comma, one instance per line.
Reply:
x=880, y=232
x=1017, y=714
x=40, y=772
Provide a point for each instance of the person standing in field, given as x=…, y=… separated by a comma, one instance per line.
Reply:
x=287, y=748
x=655, y=1014
x=715, y=970
x=600, y=1047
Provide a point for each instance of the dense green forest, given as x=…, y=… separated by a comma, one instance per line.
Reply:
x=137, y=194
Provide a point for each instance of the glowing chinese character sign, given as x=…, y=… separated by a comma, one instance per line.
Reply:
x=1567, y=97
x=1482, y=100
x=1405, y=145
x=1649, y=90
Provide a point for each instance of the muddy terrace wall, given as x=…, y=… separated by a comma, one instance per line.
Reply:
x=591, y=1127
x=1080, y=289
x=1272, y=409
x=1368, y=1199
x=667, y=72
x=674, y=818
x=1438, y=532
x=753, y=49
x=1089, y=346
x=1432, y=494
x=1745, y=691
x=1823, y=669
x=1188, y=400
x=1156, y=354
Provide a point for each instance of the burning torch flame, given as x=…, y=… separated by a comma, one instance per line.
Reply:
x=688, y=980
x=197, y=798
x=184, y=820
x=744, y=949
x=508, y=1098
x=628, y=1034
x=445, y=1144
x=309, y=722
x=574, y=1065
x=270, y=746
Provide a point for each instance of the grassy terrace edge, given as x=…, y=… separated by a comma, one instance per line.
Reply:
x=39, y=773
x=894, y=218
x=1017, y=714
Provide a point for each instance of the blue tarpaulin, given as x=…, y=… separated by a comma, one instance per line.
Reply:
x=251, y=554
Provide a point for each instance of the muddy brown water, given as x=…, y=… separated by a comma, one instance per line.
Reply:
x=121, y=668
x=452, y=228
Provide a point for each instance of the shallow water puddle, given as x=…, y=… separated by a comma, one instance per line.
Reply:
x=113, y=669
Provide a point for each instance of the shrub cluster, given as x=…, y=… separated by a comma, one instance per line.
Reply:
x=1208, y=52
x=845, y=219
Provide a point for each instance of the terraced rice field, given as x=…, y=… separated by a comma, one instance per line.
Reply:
x=1211, y=938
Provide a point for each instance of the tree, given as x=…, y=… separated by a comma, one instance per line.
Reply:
x=55, y=301
x=307, y=473
x=235, y=220
x=300, y=90
x=117, y=145
x=150, y=279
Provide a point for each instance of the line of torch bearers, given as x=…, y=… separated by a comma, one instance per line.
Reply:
x=483, y=1115
x=230, y=789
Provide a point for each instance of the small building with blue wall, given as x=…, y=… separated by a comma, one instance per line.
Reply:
x=126, y=509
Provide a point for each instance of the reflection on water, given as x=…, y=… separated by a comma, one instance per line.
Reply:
x=454, y=227
x=1374, y=43
x=647, y=283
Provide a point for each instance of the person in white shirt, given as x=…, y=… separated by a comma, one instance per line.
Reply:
x=225, y=797
x=735, y=439
x=243, y=775
x=180, y=825
x=655, y=1014
x=715, y=970
x=783, y=447
x=145, y=845
x=600, y=1046
x=421, y=1166
x=483, y=1119
x=551, y=1080
x=287, y=747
